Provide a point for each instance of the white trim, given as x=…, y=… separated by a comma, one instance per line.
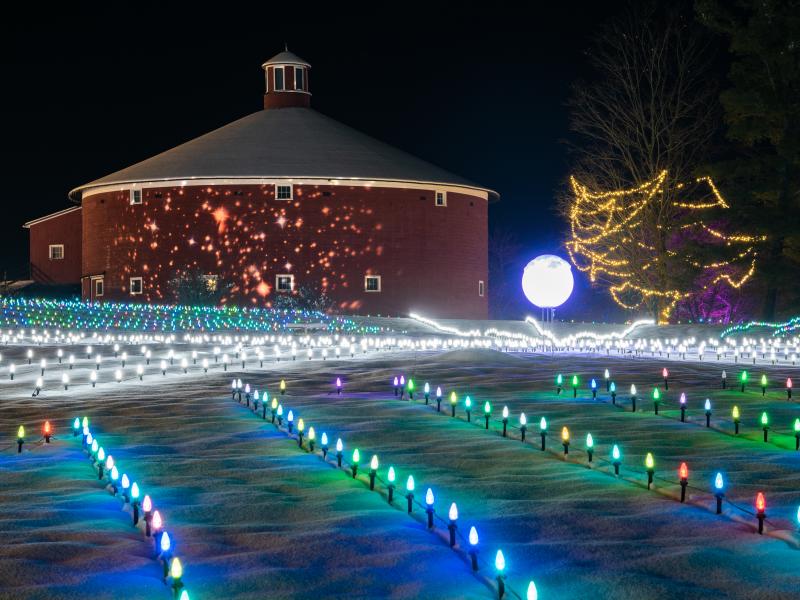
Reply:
x=132, y=197
x=291, y=280
x=436, y=198
x=275, y=87
x=482, y=193
x=291, y=191
x=366, y=288
x=94, y=281
x=51, y=216
x=50, y=251
x=481, y=288
x=141, y=286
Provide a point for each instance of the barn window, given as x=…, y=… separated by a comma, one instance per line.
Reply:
x=284, y=283
x=98, y=287
x=480, y=288
x=283, y=192
x=441, y=198
x=56, y=251
x=298, y=78
x=136, y=286
x=372, y=283
x=136, y=196
x=278, y=74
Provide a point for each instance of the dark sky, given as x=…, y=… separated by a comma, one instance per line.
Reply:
x=477, y=90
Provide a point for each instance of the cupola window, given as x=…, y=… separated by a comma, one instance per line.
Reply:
x=279, y=85
x=299, y=83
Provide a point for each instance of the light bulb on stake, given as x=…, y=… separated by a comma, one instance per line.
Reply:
x=135, y=502
x=523, y=426
x=505, y=421
x=176, y=572
x=438, y=399
x=613, y=389
x=765, y=425
x=468, y=408
x=616, y=459
x=574, y=386
x=719, y=491
x=373, y=470
x=147, y=508
x=565, y=439
x=312, y=438
x=452, y=525
x=707, y=408
x=683, y=407
x=429, y=499
x=788, y=388
x=606, y=376
x=324, y=441
x=656, y=399
x=500, y=567
x=590, y=446
x=743, y=379
x=487, y=412
x=559, y=383
x=543, y=432
x=339, y=448
x=683, y=475
x=633, y=398
x=20, y=438
x=473, y=547
x=763, y=385
x=427, y=390
x=649, y=464
x=356, y=460
x=453, y=401
x=391, y=477
x=797, y=434
x=761, y=514
x=410, y=492
x=735, y=415
x=665, y=375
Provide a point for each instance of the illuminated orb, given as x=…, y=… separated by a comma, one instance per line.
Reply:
x=547, y=281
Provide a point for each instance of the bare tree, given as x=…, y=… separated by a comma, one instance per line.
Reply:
x=643, y=123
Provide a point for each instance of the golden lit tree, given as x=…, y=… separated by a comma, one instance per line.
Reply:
x=612, y=239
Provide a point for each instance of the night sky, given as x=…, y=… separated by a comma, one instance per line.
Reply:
x=479, y=91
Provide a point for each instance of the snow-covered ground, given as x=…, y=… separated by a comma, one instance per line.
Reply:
x=254, y=516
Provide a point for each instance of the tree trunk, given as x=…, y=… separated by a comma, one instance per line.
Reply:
x=771, y=296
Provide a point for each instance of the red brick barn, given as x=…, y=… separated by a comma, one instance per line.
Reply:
x=287, y=197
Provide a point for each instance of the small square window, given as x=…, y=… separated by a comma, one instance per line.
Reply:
x=56, y=251
x=480, y=288
x=284, y=283
x=372, y=283
x=441, y=198
x=283, y=192
x=98, y=288
x=136, y=196
x=278, y=72
x=136, y=286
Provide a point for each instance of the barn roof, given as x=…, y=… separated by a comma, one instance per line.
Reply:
x=283, y=143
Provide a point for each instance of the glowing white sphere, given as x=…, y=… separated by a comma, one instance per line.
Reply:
x=547, y=281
